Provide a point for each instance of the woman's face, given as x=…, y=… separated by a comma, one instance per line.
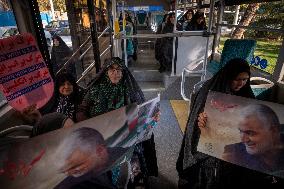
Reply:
x=189, y=16
x=172, y=19
x=114, y=73
x=200, y=20
x=55, y=42
x=239, y=81
x=66, y=88
x=167, y=17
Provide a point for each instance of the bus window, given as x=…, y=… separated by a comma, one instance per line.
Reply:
x=268, y=15
x=8, y=26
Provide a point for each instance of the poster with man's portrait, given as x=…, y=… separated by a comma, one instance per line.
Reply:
x=67, y=157
x=245, y=132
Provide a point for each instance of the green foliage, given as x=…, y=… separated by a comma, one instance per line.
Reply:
x=44, y=5
x=270, y=15
x=5, y=5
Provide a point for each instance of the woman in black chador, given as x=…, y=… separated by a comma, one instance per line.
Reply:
x=60, y=53
x=198, y=170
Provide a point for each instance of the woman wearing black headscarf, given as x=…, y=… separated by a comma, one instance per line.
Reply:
x=66, y=98
x=197, y=22
x=60, y=53
x=198, y=170
x=185, y=20
x=192, y=165
x=67, y=95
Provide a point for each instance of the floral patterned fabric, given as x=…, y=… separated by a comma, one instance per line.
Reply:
x=66, y=106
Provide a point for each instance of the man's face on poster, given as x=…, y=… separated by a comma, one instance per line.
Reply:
x=80, y=162
x=257, y=137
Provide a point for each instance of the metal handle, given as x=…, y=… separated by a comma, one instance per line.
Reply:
x=182, y=84
x=87, y=50
x=81, y=46
x=73, y=55
x=15, y=128
x=92, y=65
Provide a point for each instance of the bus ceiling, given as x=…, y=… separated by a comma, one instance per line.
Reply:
x=240, y=2
x=167, y=4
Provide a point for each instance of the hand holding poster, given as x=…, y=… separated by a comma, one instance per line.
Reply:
x=67, y=157
x=24, y=77
x=245, y=132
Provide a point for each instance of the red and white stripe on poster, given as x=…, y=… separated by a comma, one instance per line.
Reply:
x=24, y=76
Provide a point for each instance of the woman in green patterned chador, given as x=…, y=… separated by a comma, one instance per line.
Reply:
x=113, y=88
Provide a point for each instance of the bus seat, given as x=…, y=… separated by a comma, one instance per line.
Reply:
x=262, y=88
x=21, y=131
x=141, y=18
x=233, y=48
x=191, y=51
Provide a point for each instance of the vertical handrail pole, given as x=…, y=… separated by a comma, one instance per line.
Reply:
x=93, y=26
x=209, y=29
x=124, y=33
x=109, y=11
x=174, y=42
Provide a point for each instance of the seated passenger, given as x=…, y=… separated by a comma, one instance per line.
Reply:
x=197, y=22
x=66, y=99
x=67, y=95
x=113, y=88
x=197, y=170
x=185, y=20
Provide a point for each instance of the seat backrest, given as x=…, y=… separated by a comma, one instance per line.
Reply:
x=262, y=88
x=141, y=18
x=233, y=48
x=237, y=48
x=191, y=51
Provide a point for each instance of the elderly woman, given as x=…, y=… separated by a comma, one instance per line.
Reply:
x=67, y=94
x=113, y=88
x=66, y=98
x=198, y=170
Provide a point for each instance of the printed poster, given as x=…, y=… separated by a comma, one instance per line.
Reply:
x=246, y=132
x=66, y=157
x=24, y=77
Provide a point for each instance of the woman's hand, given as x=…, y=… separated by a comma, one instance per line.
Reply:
x=157, y=116
x=202, y=120
x=31, y=114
